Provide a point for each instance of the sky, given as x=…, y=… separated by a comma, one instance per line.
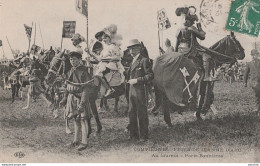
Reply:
x=134, y=19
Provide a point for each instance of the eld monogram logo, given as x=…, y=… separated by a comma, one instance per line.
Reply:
x=19, y=154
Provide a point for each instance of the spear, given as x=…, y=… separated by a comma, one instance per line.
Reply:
x=10, y=46
x=41, y=35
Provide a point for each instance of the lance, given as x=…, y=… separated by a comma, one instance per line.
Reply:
x=34, y=34
x=3, y=52
x=41, y=35
x=159, y=35
x=87, y=22
x=29, y=42
x=10, y=46
x=62, y=34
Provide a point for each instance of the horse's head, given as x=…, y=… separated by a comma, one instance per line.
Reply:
x=238, y=50
x=47, y=56
x=35, y=63
x=59, y=65
x=230, y=46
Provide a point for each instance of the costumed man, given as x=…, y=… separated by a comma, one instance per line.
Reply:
x=169, y=47
x=253, y=68
x=76, y=40
x=138, y=75
x=188, y=34
x=78, y=100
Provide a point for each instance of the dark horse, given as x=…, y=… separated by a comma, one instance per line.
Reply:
x=122, y=89
x=60, y=65
x=173, y=77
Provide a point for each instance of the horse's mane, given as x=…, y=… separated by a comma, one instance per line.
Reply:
x=227, y=41
x=47, y=56
x=64, y=57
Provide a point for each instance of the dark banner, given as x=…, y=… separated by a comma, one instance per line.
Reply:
x=68, y=29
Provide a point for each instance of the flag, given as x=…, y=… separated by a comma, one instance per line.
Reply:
x=35, y=49
x=1, y=43
x=82, y=7
x=163, y=21
x=68, y=29
x=28, y=31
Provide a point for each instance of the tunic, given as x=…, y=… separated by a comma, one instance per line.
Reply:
x=35, y=88
x=78, y=95
x=187, y=38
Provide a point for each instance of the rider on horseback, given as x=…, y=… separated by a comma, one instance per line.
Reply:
x=186, y=36
x=76, y=40
x=109, y=59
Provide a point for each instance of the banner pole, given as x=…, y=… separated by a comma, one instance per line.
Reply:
x=159, y=34
x=61, y=43
x=29, y=46
x=159, y=39
x=87, y=22
x=62, y=34
x=162, y=39
x=30, y=42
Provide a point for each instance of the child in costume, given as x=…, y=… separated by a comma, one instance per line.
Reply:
x=109, y=58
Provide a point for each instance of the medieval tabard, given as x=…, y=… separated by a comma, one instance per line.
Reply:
x=187, y=38
x=78, y=94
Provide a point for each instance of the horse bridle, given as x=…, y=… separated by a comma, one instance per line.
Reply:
x=236, y=44
x=57, y=71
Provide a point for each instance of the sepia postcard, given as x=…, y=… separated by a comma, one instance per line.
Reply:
x=129, y=81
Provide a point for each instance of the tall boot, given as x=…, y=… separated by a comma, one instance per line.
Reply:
x=99, y=126
x=206, y=68
x=89, y=127
x=103, y=81
x=110, y=90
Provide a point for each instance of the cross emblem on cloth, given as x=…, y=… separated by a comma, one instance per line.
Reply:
x=195, y=79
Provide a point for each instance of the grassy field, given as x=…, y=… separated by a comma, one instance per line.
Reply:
x=230, y=136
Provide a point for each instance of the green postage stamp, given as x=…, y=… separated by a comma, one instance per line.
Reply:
x=244, y=17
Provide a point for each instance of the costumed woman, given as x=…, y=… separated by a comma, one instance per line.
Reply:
x=109, y=59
